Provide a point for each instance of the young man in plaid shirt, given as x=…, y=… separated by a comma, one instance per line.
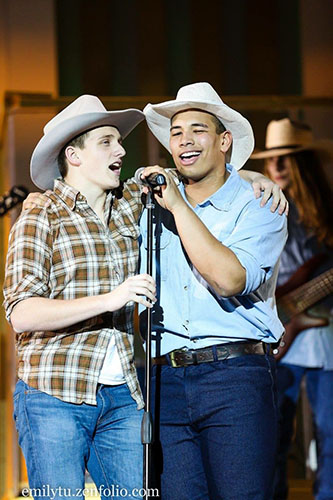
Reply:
x=70, y=289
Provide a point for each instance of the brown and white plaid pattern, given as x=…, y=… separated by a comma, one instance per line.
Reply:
x=65, y=252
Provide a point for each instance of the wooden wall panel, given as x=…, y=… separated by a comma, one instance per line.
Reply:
x=207, y=52
x=152, y=48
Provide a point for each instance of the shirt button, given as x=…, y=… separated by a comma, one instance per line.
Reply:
x=185, y=287
x=186, y=322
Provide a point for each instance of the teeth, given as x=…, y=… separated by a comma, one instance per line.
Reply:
x=189, y=154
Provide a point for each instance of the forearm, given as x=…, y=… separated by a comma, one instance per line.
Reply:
x=250, y=176
x=38, y=313
x=217, y=264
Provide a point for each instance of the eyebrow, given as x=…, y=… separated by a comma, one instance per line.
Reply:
x=192, y=125
x=107, y=136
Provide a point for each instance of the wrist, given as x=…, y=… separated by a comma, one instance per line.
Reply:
x=180, y=209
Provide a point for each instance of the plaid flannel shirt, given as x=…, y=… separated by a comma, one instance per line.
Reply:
x=63, y=251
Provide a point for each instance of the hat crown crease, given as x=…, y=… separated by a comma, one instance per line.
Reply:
x=82, y=105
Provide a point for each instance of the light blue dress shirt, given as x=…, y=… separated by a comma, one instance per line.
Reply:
x=189, y=313
x=312, y=348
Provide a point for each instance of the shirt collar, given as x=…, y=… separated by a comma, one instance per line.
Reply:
x=222, y=198
x=71, y=196
x=67, y=193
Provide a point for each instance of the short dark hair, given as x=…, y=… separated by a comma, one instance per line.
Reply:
x=220, y=128
x=77, y=142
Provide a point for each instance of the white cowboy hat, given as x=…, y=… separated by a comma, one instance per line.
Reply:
x=85, y=113
x=202, y=96
x=287, y=136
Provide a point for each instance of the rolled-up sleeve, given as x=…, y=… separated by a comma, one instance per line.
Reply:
x=258, y=240
x=28, y=259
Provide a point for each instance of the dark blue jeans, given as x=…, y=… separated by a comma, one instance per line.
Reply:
x=319, y=385
x=216, y=429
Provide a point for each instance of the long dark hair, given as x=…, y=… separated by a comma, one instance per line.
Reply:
x=312, y=194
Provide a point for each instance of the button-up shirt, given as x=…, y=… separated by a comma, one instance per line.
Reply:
x=63, y=252
x=189, y=312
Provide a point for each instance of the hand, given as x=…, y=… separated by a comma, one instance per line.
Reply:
x=35, y=199
x=168, y=196
x=261, y=183
x=140, y=288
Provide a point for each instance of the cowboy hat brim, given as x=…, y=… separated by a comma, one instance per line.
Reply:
x=324, y=147
x=158, y=119
x=44, y=161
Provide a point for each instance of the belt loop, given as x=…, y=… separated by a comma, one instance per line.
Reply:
x=167, y=357
x=266, y=347
x=214, y=350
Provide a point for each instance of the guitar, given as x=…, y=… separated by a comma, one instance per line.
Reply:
x=296, y=296
x=9, y=200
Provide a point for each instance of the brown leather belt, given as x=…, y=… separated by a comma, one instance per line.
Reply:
x=186, y=357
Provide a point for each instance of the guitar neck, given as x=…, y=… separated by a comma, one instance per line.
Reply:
x=306, y=295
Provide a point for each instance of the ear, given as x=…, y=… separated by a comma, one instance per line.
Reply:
x=226, y=141
x=72, y=156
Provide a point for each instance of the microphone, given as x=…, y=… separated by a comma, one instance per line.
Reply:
x=153, y=180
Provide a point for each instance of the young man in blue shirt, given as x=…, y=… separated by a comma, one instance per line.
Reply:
x=217, y=251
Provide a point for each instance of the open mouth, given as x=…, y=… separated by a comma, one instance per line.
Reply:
x=116, y=166
x=189, y=157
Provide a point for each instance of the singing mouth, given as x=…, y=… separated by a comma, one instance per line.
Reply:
x=189, y=157
x=189, y=154
x=116, y=166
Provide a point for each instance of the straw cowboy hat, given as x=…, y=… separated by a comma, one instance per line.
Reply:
x=286, y=136
x=202, y=96
x=85, y=113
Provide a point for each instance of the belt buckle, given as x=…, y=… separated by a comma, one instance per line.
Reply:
x=172, y=355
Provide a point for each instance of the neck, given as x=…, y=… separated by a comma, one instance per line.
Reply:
x=199, y=190
x=94, y=195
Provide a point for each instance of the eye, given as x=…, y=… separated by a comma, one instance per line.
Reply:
x=173, y=134
x=199, y=131
x=106, y=141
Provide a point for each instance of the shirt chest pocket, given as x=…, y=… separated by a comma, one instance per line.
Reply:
x=128, y=243
x=161, y=251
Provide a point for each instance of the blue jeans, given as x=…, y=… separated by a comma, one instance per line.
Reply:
x=61, y=440
x=319, y=385
x=215, y=429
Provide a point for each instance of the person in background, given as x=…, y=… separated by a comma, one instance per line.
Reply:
x=294, y=161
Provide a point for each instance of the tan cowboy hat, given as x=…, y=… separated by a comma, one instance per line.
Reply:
x=287, y=136
x=202, y=96
x=85, y=113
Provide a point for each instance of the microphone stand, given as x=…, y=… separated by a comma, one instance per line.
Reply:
x=147, y=421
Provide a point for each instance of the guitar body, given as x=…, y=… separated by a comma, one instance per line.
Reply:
x=293, y=320
x=297, y=324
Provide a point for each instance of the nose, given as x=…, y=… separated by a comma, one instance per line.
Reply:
x=274, y=163
x=120, y=152
x=186, y=139
x=280, y=165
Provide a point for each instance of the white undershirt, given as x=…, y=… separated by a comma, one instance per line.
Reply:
x=111, y=372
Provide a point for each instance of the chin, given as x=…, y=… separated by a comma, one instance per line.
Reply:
x=114, y=184
x=187, y=172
